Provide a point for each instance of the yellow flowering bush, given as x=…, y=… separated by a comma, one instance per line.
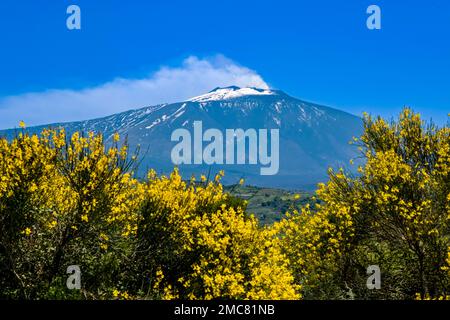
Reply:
x=62, y=202
x=394, y=214
x=198, y=245
x=71, y=200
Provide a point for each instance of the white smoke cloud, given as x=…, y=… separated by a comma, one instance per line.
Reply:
x=169, y=84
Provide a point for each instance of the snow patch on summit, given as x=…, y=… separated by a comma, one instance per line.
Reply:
x=231, y=93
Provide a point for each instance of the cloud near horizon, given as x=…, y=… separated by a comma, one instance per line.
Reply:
x=194, y=77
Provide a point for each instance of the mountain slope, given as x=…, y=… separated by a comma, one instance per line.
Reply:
x=312, y=137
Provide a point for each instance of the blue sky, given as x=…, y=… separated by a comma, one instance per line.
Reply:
x=319, y=51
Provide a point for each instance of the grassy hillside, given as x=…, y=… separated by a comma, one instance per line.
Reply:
x=267, y=204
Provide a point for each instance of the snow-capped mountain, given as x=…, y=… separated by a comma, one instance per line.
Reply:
x=311, y=137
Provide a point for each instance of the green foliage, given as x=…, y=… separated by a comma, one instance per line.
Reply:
x=270, y=205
